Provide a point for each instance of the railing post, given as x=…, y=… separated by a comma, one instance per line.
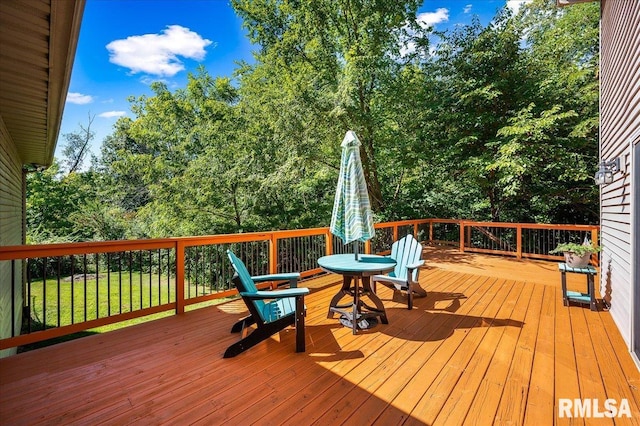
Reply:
x=415, y=229
x=519, y=241
x=395, y=232
x=180, y=259
x=273, y=256
x=329, y=243
x=430, y=232
x=367, y=247
x=461, y=236
x=594, y=240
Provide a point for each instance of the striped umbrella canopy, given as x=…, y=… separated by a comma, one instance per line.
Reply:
x=352, y=218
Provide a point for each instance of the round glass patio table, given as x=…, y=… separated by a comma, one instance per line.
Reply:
x=353, y=272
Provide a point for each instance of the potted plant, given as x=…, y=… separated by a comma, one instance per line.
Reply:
x=576, y=255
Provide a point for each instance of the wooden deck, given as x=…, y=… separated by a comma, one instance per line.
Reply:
x=492, y=343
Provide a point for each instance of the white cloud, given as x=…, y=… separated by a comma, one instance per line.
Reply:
x=428, y=19
x=79, y=98
x=467, y=8
x=158, y=54
x=112, y=114
x=425, y=20
x=515, y=5
x=148, y=80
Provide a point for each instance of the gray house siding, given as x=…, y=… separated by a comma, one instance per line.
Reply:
x=619, y=133
x=11, y=232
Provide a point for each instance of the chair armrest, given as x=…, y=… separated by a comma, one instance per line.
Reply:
x=416, y=265
x=291, y=277
x=276, y=294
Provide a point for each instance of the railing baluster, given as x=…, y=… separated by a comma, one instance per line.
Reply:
x=29, y=307
x=130, y=281
x=150, y=278
x=13, y=297
x=73, y=289
x=97, y=286
x=58, y=292
x=187, y=265
x=180, y=281
x=169, y=275
x=212, y=268
x=84, y=266
x=195, y=267
x=140, y=276
x=109, y=283
x=44, y=293
x=120, y=281
x=159, y=276
x=204, y=269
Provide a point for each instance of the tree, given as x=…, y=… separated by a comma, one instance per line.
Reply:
x=490, y=123
x=77, y=146
x=556, y=134
x=512, y=125
x=53, y=200
x=329, y=61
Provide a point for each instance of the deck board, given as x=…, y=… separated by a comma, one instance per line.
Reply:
x=487, y=398
x=513, y=400
x=491, y=343
x=412, y=356
x=540, y=398
x=440, y=327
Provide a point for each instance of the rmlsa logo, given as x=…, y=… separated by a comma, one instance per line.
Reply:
x=591, y=408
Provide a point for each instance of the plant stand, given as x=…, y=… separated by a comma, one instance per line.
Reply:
x=589, y=297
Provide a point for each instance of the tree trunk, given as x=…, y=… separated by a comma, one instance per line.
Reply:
x=236, y=209
x=371, y=175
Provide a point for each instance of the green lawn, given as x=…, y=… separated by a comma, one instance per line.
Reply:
x=65, y=303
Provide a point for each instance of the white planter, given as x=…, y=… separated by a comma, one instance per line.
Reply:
x=574, y=261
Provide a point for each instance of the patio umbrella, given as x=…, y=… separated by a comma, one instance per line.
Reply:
x=352, y=218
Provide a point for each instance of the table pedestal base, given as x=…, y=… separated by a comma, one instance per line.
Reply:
x=367, y=316
x=365, y=322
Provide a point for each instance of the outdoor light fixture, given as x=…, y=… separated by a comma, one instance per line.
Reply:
x=604, y=175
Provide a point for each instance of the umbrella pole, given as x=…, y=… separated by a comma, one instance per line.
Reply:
x=356, y=250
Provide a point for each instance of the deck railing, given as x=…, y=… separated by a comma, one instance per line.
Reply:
x=67, y=288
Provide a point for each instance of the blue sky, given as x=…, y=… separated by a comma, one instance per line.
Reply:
x=125, y=45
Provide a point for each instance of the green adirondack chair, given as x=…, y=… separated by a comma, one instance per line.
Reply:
x=407, y=253
x=271, y=311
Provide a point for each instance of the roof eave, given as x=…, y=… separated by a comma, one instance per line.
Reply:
x=66, y=18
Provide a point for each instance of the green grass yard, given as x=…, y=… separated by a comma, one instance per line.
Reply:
x=68, y=302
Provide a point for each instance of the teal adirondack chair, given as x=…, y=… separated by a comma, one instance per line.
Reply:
x=271, y=311
x=407, y=253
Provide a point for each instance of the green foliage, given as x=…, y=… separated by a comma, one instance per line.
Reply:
x=54, y=203
x=77, y=146
x=578, y=249
x=485, y=123
x=325, y=67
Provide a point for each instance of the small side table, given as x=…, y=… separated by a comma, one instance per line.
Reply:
x=590, y=296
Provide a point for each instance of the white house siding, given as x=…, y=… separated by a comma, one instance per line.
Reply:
x=619, y=131
x=11, y=231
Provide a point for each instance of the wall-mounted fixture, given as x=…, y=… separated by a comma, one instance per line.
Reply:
x=605, y=172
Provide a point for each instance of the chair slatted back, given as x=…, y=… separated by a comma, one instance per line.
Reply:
x=246, y=285
x=405, y=251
